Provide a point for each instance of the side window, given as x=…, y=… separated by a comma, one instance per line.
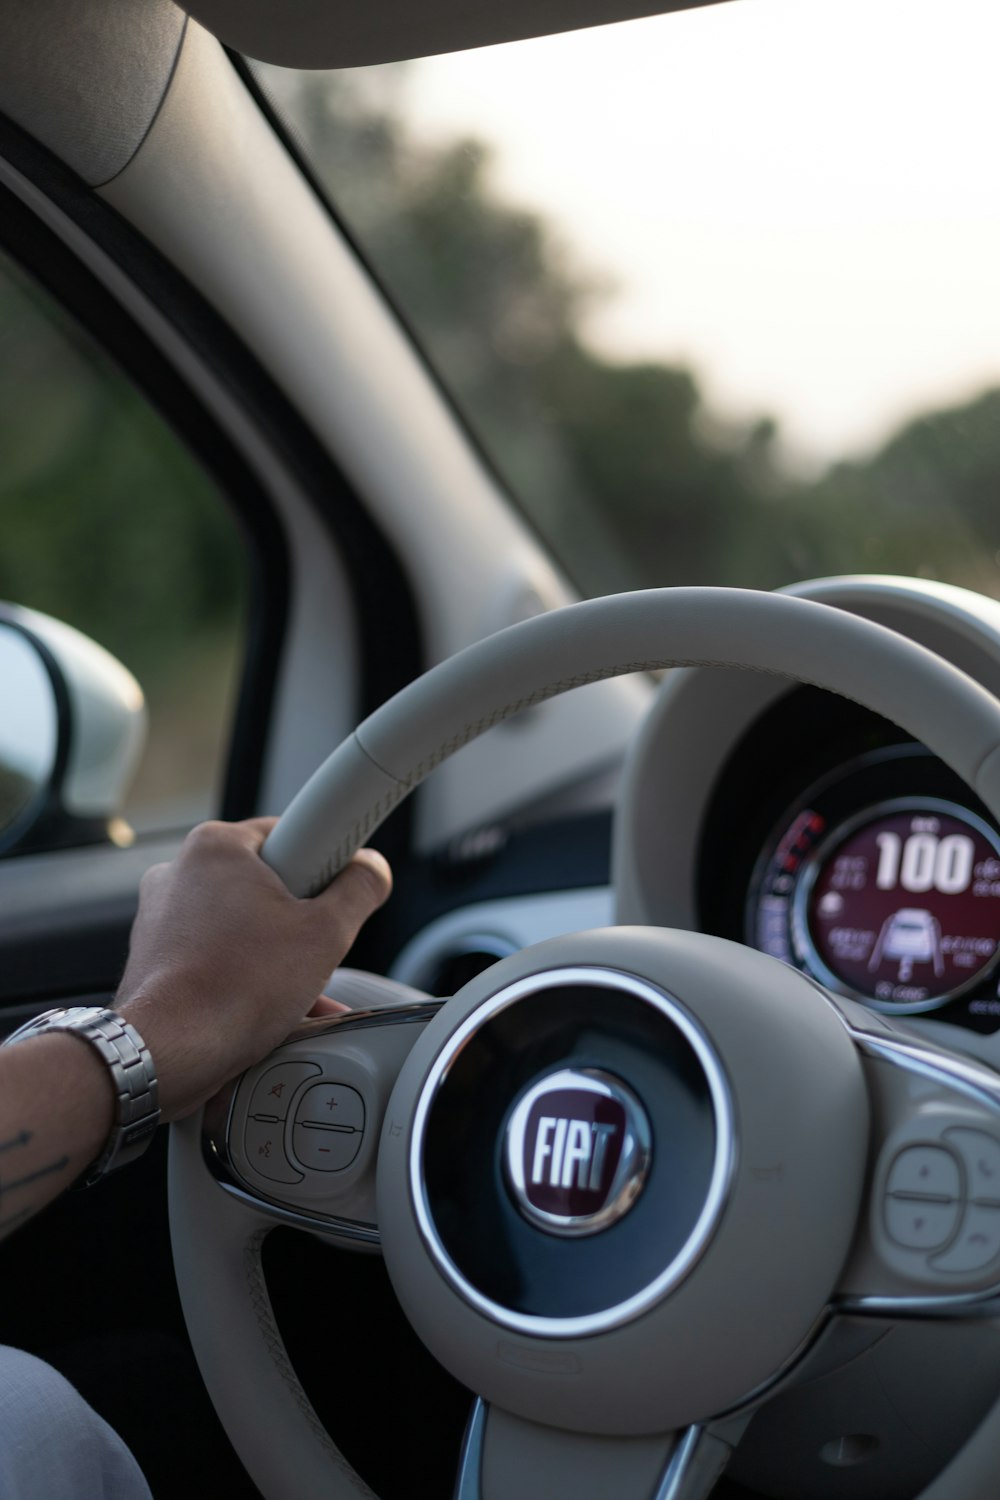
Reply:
x=107, y=523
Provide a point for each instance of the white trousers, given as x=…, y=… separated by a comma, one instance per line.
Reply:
x=53, y=1446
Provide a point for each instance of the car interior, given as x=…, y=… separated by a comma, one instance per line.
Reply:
x=666, y=1153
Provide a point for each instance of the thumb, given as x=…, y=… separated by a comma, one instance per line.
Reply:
x=359, y=890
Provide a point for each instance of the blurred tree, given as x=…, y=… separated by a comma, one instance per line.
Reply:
x=108, y=523
x=606, y=459
x=927, y=501
x=621, y=466
x=106, y=520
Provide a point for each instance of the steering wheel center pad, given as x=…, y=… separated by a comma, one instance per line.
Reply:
x=404, y=740
x=585, y=1100
x=791, y=1185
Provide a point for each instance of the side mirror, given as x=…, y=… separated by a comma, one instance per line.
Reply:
x=72, y=730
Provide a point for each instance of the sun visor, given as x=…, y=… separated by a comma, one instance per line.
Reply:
x=352, y=33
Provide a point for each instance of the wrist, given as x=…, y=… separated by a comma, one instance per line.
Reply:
x=59, y=1061
x=128, y=1070
x=167, y=1016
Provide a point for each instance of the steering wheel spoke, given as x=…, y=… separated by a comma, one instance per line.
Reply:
x=296, y=1138
x=504, y=1455
x=930, y=1240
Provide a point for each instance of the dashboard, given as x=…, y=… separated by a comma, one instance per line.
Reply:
x=789, y=819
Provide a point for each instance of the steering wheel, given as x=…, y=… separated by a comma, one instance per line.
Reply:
x=622, y=1180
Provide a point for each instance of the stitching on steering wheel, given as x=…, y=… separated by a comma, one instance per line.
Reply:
x=260, y=1302
x=359, y=831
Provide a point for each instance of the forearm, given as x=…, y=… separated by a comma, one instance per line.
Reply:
x=56, y=1113
x=224, y=961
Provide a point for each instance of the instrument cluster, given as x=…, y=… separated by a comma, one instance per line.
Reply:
x=784, y=817
x=850, y=852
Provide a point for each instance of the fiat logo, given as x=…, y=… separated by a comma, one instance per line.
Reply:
x=577, y=1151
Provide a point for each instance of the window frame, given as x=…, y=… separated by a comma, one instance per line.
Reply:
x=390, y=640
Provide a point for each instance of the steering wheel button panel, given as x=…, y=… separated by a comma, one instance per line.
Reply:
x=265, y=1151
x=981, y=1154
x=935, y=1207
x=926, y=1171
x=978, y=1243
x=921, y=1225
x=331, y=1104
x=325, y=1148
x=314, y=1165
x=274, y=1090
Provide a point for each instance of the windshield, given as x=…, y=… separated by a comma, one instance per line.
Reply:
x=716, y=291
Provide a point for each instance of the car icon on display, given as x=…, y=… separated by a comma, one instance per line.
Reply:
x=913, y=936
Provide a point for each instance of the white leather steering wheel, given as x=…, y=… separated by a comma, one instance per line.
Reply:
x=221, y=1212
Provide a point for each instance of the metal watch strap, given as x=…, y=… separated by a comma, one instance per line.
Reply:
x=133, y=1077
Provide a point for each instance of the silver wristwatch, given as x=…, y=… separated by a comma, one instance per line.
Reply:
x=133, y=1076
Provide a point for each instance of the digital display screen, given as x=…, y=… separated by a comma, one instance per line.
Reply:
x=906, y=907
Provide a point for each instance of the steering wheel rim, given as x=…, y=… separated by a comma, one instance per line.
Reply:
x=216, y=1240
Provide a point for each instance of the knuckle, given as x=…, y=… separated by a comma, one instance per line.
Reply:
x=205, y=835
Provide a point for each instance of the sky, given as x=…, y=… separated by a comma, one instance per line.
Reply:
x=796, y=197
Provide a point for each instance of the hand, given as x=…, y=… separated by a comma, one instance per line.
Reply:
x=224, y=961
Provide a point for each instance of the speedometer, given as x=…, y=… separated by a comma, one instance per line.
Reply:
x=898, y=906
x=902, y=905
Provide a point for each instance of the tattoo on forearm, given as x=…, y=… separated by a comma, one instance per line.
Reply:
x=21, y=1139
x=7, y=1185
x=55, y=1166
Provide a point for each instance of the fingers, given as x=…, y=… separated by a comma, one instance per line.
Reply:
x=216, y=836
x=324, y=1006
x=153, y=877
x=359, y=890
x=223, y=959
x=255, y=830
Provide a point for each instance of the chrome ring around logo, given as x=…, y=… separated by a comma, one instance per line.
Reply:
x=622, y=1310
x=577, y=1151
